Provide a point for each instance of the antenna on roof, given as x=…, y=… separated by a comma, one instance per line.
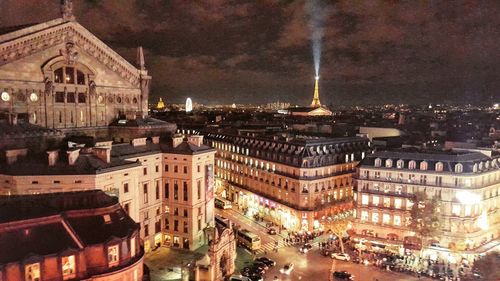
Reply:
x=67, y=10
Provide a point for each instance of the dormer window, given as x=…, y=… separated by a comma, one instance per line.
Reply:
x=400, y=164
x=439, y=167
x=423, y=165
x=378, y=162
x=412, y=165
x=474, y=168
x=459, y=168
x=388, y=163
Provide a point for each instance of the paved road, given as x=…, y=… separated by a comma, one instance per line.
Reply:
x=311, y=266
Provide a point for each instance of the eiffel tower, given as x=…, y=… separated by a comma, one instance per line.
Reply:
x=315, y=102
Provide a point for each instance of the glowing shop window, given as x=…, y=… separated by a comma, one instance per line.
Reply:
x=132, y=247
x=397, y=220
x=397, y=203
x=455, y=209
x=113, y=255
x=409, y=204
x=468, y=210
x=375, y=200
x=364, y=215
x=386, y=218
x=375, y=217
x=364, y=199
x=68, y=267
x=32, y=272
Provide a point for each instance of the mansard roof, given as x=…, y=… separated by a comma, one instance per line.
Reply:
x=470, y=160
x=297, y=150
x=47, y=224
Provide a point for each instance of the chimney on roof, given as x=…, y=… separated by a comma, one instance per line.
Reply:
x=13, y=154
x=52, y=156
x=103, y=153
x=155, y=140
x=177, y=139
x=138, y=142
x=196, y=140
x=73, y=156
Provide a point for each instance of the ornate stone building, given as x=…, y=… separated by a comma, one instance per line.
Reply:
x=465, y=184
x=292, y=181
x=57, y=74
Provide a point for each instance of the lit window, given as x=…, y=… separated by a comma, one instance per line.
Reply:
x=397, y=220
x=388, y=163
x=439, y=167
x=378, y=162
x=397, y=203
x=364, y=215
x=375, y=217
x=459, y=168
x=468, y=210
x=32, y=272
x=132, y=247
x=364, y=199
x=412, y=164
x=386, y=218
x=375, y=200
x=455, y=209
x=423, y=165
x=387, y=202
x=400, y=164
x=68, y=267
x=113, y=255
x=409, y=204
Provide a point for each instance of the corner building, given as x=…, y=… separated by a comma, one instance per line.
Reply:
x=291, y=181
x=466, y=184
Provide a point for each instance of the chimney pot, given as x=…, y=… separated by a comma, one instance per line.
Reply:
x=73, y=156
x=52, y=156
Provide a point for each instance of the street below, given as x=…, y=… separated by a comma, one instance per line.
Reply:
x=311, y=266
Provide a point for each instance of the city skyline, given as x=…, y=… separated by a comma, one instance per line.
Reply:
x=377, y=53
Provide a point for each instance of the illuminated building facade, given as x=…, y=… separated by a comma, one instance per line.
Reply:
x=291, y=181
x=82, y=235
x=137, y=173
x=466, y=185
x=57, y=74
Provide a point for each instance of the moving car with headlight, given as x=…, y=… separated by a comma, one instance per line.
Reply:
x=305, y=248
x=287, y=269
x=341, y=256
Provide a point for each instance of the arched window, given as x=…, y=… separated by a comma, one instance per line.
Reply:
x=69, y=75
x=474, y=168
x=388, y=163
x=423, y=165
x=439, y=167
x=481, y=166
x=459, y=168
x=378, y=162
x=412, y=165
x=400, y=164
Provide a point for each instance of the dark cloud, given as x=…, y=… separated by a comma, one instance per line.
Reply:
x=258, y=51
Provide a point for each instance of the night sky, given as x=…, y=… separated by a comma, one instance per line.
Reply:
x=259, y=51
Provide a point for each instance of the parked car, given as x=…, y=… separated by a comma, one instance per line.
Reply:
x=269, y=262
x=305, y=248
x=341, y=256
x=239, y=278
x=271, y=231
x=342, y=275
x=259, y=264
